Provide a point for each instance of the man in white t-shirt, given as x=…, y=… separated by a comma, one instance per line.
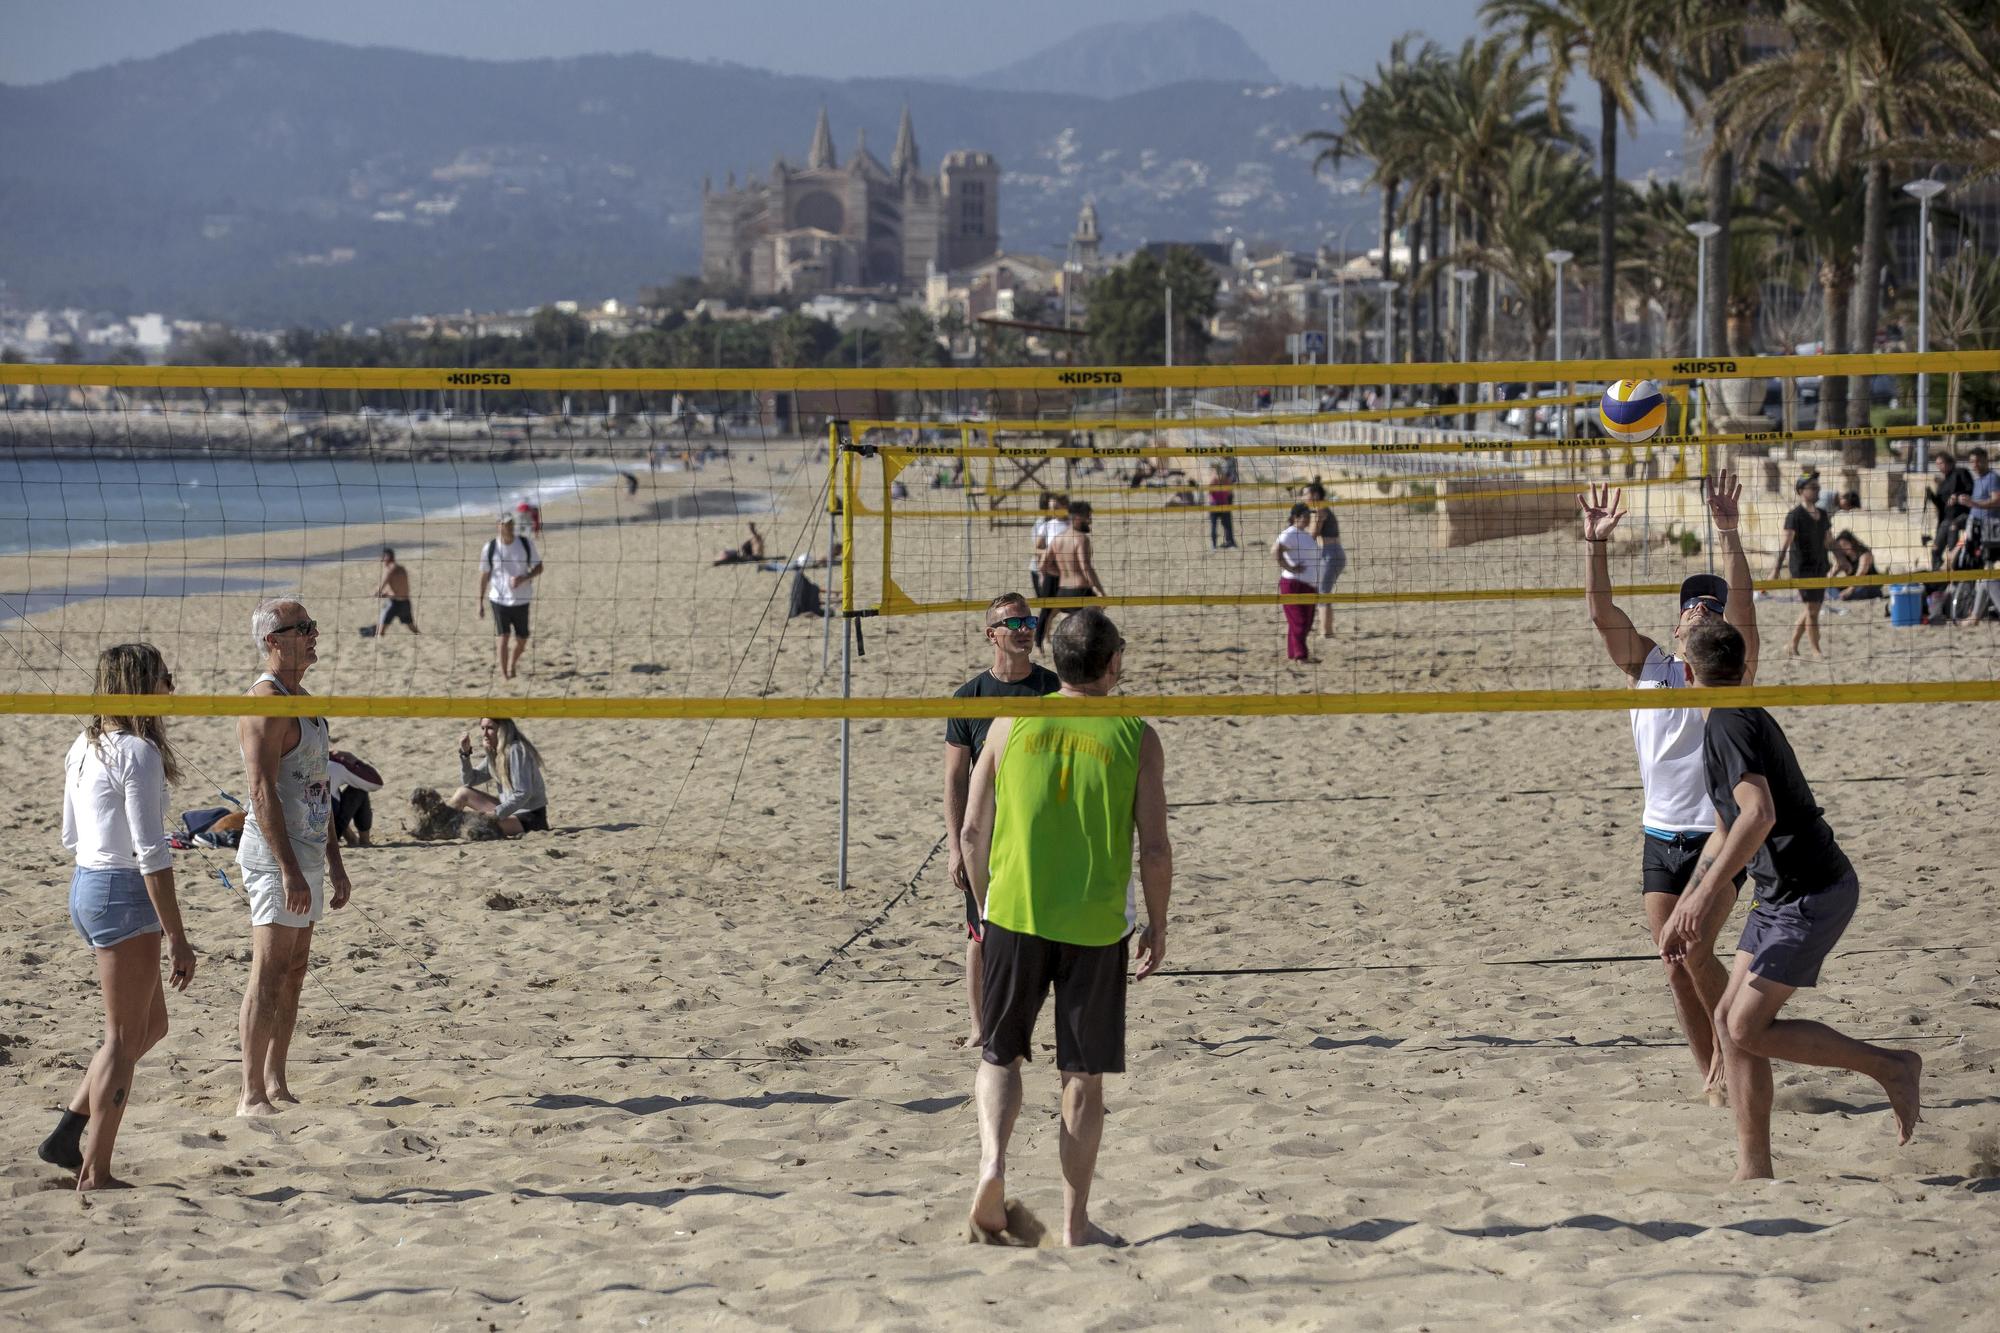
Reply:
x=508, y=567
x=1679, y=816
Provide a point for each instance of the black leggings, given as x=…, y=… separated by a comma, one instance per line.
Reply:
x=1045, y=586
x=354, y=809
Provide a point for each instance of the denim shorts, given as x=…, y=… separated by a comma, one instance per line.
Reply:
x=110, y=906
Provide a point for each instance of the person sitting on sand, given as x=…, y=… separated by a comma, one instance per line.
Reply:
x=1852, y=556
x=1047, y=841
x=121, y=899
x=511, y=762
x=1766, y=819
x=751, y=551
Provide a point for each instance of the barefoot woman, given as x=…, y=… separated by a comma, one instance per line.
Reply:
x=122, y=900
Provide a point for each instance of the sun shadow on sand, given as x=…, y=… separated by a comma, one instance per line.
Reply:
x=662, y=1198
x=567, y=1101
x=1374, y=1229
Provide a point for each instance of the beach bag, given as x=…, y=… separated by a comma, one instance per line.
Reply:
x=218, y=826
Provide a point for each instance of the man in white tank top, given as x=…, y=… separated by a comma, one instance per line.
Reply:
x=1678, y=816
x=288, y=853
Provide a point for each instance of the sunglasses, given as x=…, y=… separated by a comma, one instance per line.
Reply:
x=1713, y=606
x=1014, y=622
x=304, y=629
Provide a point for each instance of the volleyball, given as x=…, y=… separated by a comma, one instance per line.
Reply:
x=1632, y=410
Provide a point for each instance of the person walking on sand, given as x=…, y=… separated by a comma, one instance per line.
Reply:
x=1297, y=552
x=288, y=854
x=394, y=590
x=1677, y=817
x=1766, y=819
x=1807, y=529
x=508, y=568
x=1011, y=630
x=121, y=898
x=1048, y=840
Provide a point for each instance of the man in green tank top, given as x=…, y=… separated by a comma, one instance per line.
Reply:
x=1049, y=828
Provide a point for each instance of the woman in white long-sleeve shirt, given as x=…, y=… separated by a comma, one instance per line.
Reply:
x=121, y=898
x=512, y=764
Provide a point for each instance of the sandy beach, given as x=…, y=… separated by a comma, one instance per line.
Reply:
x=1407, y=1064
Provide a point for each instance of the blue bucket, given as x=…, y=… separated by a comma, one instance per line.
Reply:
x=1906, y=604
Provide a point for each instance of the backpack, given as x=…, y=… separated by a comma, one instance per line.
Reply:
x=493, y=543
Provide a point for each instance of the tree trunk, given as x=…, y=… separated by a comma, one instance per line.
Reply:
x=1607, y=226
x=1437, y=274
x=1389, y=190
x=1410, y=302
x=1867, y=306
x=1721, y=183
x=1836, y=281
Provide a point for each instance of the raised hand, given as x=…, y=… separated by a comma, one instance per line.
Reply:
x=1722, y=493
x=1602, y=509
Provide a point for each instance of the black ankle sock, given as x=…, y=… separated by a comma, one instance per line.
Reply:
x=64, y=1147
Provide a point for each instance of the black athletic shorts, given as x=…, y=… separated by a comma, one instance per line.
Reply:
x=1669, y=863
x=398, y=608
x=1089, y=983
x=534, y=821
x=975, y=928
x=510, y=620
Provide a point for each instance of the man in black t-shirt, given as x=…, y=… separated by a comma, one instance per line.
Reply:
x=1765, y=817
x=1010, y=628
x=1807, y=531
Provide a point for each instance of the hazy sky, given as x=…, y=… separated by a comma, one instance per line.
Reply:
x=1305, y=41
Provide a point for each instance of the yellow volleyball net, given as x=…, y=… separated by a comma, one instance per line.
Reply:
x=693, y=525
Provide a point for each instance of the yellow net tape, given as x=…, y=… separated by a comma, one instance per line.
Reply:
x=1117, y=705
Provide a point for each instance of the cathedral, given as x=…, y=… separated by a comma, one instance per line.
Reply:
x=805, y=230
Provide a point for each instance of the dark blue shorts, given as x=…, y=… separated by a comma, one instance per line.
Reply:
x=1787, y=942
x=1667, y=865
x=110, y=906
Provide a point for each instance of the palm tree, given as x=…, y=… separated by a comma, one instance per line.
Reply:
x=1543, y=193
x=1662, y=269
x=1468, y=119
x=1617, y=43
x=1862, y=75
x=1373, y=129
x=1824, y=209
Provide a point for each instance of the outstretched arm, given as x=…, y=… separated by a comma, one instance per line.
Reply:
x=1723, y=494
x=1627, y=646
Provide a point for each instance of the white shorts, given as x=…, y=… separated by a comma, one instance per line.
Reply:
x=267, y=897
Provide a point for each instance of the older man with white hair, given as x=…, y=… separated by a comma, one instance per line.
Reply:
x=287, y=853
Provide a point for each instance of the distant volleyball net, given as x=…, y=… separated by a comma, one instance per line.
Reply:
x=711, y=539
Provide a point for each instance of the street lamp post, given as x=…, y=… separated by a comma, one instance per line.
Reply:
x=1559, y=258
x=1923, y=191
x=1387, y=286
x=1464, y=277
x=1701, y=231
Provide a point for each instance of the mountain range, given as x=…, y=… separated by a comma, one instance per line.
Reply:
x=269, y=180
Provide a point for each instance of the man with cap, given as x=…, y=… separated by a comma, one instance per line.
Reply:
x=1678, y=815
x=508, y=567
x=1808, y=533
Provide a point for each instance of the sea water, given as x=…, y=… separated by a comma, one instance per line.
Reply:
x=58, y=504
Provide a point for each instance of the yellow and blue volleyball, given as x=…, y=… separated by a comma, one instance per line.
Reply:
x=1632, y=411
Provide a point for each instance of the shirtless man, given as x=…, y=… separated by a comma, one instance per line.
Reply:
x=394, y=589
x=1678, y=816
x=1766, y=819
x=287, y=852
x=1069, y=554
